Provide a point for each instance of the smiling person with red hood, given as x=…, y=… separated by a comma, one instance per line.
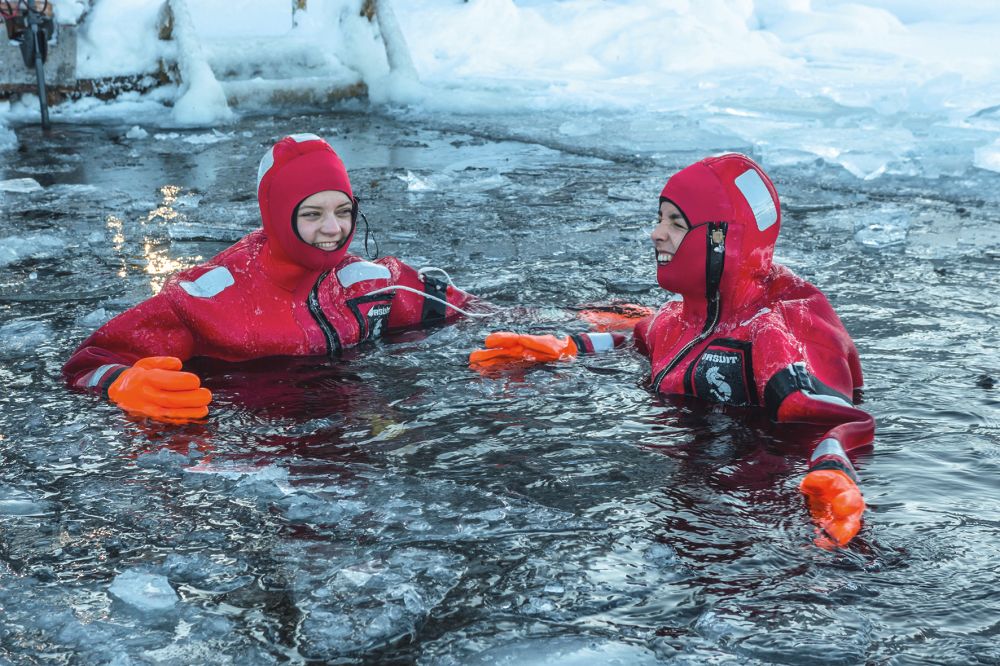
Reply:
x=288, y=289
x=747, y=332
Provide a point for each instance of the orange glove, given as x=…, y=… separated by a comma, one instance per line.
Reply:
x=155, y=387
x=835, y=502
x=506, y=347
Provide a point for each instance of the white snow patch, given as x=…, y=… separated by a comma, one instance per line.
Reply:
x=136, y=132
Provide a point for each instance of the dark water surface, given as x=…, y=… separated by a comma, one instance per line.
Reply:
x=397, y=507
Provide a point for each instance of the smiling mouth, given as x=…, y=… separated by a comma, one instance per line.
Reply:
x=327, y=245
x=663, y=258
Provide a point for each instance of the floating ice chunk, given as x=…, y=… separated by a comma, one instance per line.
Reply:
x=215, y=136
x=136, y=132
x=563, y=651
x=162, y=459
x=988, y=156
x=888, y=227
x=22, y=185
x=193, y=231
x=8, y=139
x=35, y=246
x=415, y=183
x=21, y=338
x=93, y=319
x=579, y=128
x=15, y=502
x=147, y=592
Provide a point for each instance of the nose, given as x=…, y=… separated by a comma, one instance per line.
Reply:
x=331, y=225
x=658, y=234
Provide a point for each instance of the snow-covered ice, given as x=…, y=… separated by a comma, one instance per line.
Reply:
x=877, y=87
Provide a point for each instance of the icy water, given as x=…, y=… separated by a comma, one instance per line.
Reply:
x=396, y=507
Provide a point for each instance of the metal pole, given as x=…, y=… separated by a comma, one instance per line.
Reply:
x=43, y=101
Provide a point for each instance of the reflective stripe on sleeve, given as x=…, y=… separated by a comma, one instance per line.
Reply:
x=97, y=375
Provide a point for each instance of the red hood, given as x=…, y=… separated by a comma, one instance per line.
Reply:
x=732, y=193
x=297, y=167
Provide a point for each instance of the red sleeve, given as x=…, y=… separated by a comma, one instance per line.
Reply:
x=808, y=370
x=423, y=304
x=151, y=328
x=640, y=334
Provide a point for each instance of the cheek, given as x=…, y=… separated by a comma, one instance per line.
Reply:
x=306, y=228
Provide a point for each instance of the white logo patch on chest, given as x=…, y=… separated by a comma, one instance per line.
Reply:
x=209, y=284
x=361, y=270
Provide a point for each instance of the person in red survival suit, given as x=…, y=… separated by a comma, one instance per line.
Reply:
x=290, y=288
x=746, y=332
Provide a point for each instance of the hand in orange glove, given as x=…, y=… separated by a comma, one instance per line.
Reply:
x=835, y=502
x=156, y=387
x=506, y=347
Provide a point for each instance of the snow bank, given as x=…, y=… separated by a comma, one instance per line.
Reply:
x=202, y=100
x=876, y=87
x=119, y=37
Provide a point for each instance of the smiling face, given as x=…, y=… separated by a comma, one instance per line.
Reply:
x=671, y=227
x=324, y=219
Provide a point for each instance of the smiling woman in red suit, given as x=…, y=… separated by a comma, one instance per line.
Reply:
x=746, y=331
x=290, y=288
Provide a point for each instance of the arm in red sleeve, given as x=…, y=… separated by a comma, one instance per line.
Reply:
x=831, y=484
x=641, y=335
x=151, y=328
x=811, y=379
x=423, y=305
x=808, y=369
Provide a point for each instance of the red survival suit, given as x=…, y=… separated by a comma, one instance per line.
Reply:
x=748, y=331
x=270, y=293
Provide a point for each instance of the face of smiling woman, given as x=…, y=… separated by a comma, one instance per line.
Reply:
x=324, y=219
x=671, y=227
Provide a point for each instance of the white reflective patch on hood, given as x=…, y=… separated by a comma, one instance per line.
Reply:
x=267, y=161
x=362, y=270
x=209, y=284
x=752, y=186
